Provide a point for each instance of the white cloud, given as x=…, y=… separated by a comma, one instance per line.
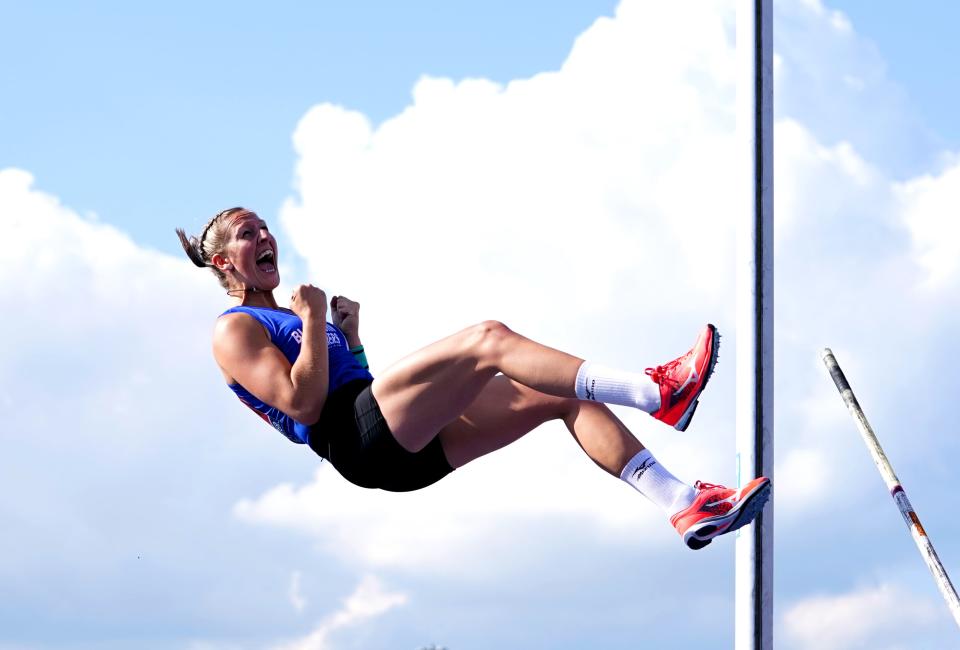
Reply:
x=820, y=185
x=90, y=277
x=369, y=600
x=547, y=191
x=883, y=616
x=931, y=209
x=803, y=478
x=451, y=527
x=120, y=430
x=836, y=19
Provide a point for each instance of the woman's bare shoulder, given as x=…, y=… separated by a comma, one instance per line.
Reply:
x=235, y=336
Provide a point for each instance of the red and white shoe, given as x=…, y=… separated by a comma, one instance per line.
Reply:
x=717, y=510
x=682, y=380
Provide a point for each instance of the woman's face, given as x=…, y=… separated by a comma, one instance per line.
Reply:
x=252, y=251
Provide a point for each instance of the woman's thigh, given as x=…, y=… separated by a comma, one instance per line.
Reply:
x=430, y=388
x=503, y=412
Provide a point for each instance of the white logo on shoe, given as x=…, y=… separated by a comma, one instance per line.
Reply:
x=692, y=378
x=714, y=505
x=732, y=500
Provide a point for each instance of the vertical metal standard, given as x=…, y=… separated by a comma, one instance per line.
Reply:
x=754, y=547
x=910, y=517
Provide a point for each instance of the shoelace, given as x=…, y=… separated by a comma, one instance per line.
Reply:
x=664, y=374
x=700, y=485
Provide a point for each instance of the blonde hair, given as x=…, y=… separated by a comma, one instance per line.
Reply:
x=211, y=241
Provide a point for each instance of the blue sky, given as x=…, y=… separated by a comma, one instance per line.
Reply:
x=148, y=509
x=916, y=41
x=172, y=107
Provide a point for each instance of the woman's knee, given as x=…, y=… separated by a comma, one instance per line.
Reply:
x=488, y=340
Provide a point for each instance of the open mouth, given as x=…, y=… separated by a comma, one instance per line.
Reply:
x=266, y=261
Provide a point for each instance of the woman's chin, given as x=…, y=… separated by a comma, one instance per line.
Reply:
x=270, y=286
x=268, y=281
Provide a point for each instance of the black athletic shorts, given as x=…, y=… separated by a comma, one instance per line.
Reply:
x=354, y=437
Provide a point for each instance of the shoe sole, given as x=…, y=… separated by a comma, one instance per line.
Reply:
x=684, y=420
x=703, y=532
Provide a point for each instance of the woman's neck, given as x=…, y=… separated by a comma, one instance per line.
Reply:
x=256, y=299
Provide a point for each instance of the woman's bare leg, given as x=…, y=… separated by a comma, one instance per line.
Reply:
x=431, y=388
x=506, y=410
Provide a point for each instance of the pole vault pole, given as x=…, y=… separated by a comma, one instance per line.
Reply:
x=754, y=546
x=910, y=517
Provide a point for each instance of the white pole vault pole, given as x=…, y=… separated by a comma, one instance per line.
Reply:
x=754, y=546
x=893, y=484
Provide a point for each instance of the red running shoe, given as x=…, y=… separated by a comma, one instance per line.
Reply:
x=717, y=510
x=682, y=380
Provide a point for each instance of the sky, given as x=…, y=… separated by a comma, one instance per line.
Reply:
x=564, y=169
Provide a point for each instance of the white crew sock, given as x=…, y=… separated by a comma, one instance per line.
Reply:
x=654, y=481
x=612, y=386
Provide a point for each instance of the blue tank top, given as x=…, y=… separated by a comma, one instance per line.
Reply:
x=286, y=332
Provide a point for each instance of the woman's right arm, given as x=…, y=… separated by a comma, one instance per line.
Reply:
x=244, y=351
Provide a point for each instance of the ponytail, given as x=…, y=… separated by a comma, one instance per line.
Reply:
x=201, y=249
x=191, y=246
